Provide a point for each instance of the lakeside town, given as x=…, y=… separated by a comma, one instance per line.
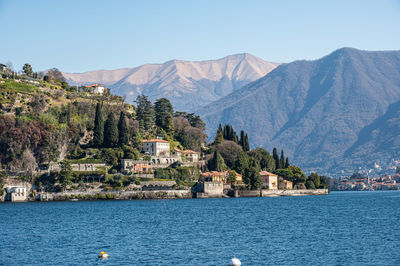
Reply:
x=63, y=142
x=359, y=182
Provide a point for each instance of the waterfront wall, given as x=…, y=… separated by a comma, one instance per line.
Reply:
x=281, y=192
x=294, y=192
x=118, y=195
x=209, y=190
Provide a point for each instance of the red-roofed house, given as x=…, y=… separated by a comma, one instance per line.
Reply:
x=214, y=176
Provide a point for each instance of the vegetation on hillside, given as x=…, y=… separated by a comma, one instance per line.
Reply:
x=44, y=120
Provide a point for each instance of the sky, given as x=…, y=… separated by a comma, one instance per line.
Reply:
x=79, y=36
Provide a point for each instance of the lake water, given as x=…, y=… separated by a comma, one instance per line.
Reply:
x=343, y=228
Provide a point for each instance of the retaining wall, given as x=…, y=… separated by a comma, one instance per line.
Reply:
x=281, y=192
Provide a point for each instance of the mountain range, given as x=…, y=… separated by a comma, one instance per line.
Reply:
x=333, y=115
x=188, y=85
x=339, y=113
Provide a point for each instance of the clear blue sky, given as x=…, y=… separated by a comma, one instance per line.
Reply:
x=77, y=36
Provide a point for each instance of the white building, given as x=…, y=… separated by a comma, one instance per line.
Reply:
x=191, y=156
x=96, y=88
x=269, y=179
x=156, y=147
x=17, y=193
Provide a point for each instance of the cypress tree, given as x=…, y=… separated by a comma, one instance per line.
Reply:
x=230, y=134
x=123, y=133
x=225, y=132
x=246, y=143
x=219, y=137
x=241, y=140
x=110, y=131
x=217, y=163
x=287, y=163
x=282, y=161
x=235, y=137
x=98, y=136
x=276, y=158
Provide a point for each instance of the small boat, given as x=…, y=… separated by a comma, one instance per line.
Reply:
x=235, y=262
x=103, y=255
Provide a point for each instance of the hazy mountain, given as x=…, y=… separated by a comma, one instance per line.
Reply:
x=338, y=112
x=189, y=85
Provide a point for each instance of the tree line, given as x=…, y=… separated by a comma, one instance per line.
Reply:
x=229, y=152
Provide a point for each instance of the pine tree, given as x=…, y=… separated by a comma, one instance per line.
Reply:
x=252, y=178
x=282, y=161
x=219, y=137
x=242, y=163
x=27, y=68
x=123, y=133
x=110, y=131
x=98, y=136
x=287, y=163
x=276, y=158
x=164, y=115
x=145, y=113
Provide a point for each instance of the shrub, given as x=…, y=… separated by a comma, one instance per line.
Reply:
x=100, y=196
x=110, y=196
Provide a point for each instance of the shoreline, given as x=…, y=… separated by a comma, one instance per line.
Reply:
x=163, y=194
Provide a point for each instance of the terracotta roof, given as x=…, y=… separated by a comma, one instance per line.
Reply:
x=155, y=140
x=94, y=85
x=213, y=173
x=189, y=152
x=263, y=173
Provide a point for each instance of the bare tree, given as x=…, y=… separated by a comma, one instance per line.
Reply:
x=54, y=73
x=10, y=66
x=230, y=151
x=28, y=163
x=38, y=103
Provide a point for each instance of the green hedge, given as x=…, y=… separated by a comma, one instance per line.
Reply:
x=86, y=160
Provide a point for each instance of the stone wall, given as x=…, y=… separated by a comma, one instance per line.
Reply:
x=91, y=167
x=294, y=192
x=117, y=195
x=249, y=193
x=157, y=185
x=278, y=192
x=210, y=189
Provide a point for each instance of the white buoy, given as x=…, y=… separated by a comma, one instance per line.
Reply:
x=235, y=262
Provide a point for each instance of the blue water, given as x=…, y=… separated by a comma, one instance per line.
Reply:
x=343, y=228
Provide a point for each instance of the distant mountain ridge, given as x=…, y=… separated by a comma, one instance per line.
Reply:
x=188, y=84
x=328, y=114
